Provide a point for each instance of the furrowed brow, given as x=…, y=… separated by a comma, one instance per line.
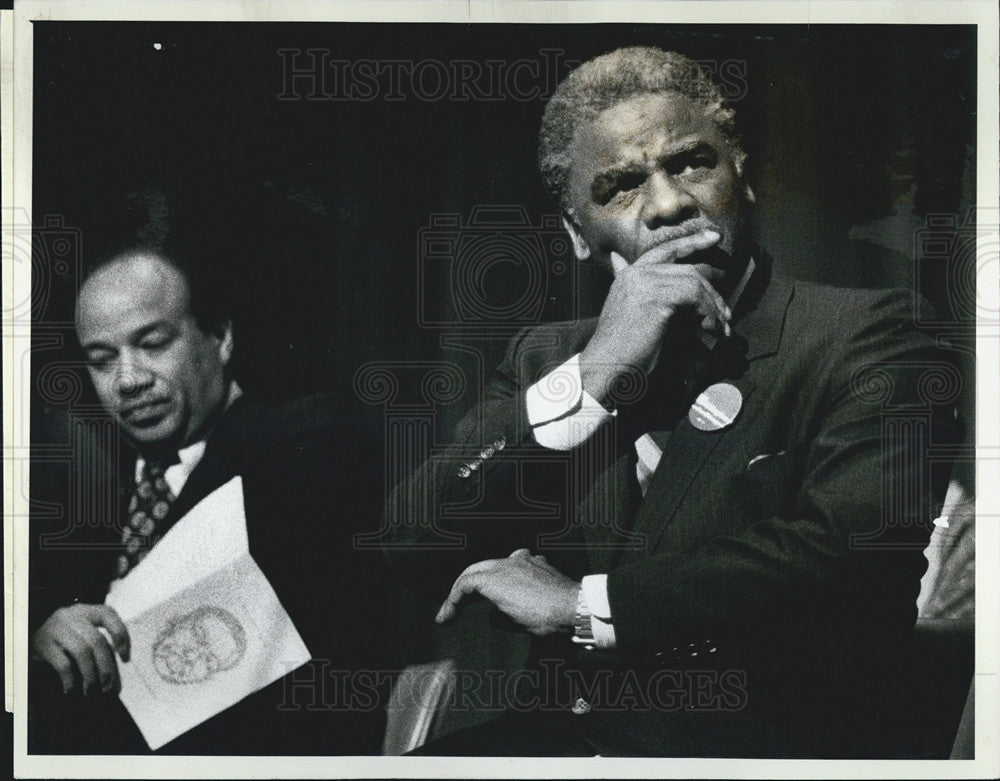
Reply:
x=605, y=180
x=689, y=147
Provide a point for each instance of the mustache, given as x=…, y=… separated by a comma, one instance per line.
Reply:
x=674, y=232
x=132, y=406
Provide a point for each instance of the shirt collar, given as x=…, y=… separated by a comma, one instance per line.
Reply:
x=177, y=474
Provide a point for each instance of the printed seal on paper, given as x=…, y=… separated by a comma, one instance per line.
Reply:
x=194, y=647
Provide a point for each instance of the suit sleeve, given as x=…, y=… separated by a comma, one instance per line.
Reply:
x=490, y=490
x=847, y=555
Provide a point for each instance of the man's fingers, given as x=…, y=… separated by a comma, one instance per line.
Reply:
x=537, y=558
x=48, y=648
x=104, y=675
x=79, y=650
x=77, y=640
x=550, y=569
x=713, y=298
x=711, y=322
x=56, y=658
x=684, y=286
x=462, y=586
x=465, y=584
x=104, y=662
x=541, y=561
x=672, y=250
x=480, y=566
x=712, y=318
x=618, y=263
x=103, y=615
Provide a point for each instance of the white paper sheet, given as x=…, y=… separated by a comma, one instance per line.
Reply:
x=205, y=625
x=209, y=536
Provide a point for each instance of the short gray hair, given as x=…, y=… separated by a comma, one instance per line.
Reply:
x=610, y=79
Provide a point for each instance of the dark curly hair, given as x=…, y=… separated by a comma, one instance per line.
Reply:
x=610, y=79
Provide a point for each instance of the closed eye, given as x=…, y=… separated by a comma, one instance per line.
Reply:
x=157, y=337
x=155, y=343
x=99, y=361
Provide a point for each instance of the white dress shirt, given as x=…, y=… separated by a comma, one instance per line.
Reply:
x=177, y=474
x=563, y=415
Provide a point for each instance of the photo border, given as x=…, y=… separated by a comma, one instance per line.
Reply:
x=16, y=47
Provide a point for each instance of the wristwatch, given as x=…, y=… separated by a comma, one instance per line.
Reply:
x=583, y=630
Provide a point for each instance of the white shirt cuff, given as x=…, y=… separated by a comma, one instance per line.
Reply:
x=595, y=591
x=561, y=413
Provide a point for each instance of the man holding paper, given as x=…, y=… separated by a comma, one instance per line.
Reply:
x=222, y=559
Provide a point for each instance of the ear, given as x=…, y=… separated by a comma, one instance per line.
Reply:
x=740, y=164
x=580, y=246
x=224, y=333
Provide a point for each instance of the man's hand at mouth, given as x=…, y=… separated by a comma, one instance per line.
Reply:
x=643, y=299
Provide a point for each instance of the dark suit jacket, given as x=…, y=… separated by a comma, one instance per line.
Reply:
x=311, y=483
x=798, y=569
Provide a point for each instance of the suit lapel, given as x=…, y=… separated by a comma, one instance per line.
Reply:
x=757, y=333
x=686, y=451
x=206, y=477
x=218, y=464
x=606, y=511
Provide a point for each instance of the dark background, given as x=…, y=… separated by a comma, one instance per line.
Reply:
x=316, y=211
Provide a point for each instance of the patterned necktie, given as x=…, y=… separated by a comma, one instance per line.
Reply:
x=146, y=512
x=668, y=397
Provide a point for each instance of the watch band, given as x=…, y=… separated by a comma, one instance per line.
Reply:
x=583, y=630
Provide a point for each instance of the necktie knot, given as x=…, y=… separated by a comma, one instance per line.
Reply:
x=160, y=462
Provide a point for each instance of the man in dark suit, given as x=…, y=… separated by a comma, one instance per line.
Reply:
x=157, y=344
x=739, y=458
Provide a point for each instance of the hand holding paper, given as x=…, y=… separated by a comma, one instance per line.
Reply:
x=71, y=639
x=206, y=627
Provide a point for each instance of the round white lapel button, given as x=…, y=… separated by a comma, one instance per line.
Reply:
x=716, y=407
